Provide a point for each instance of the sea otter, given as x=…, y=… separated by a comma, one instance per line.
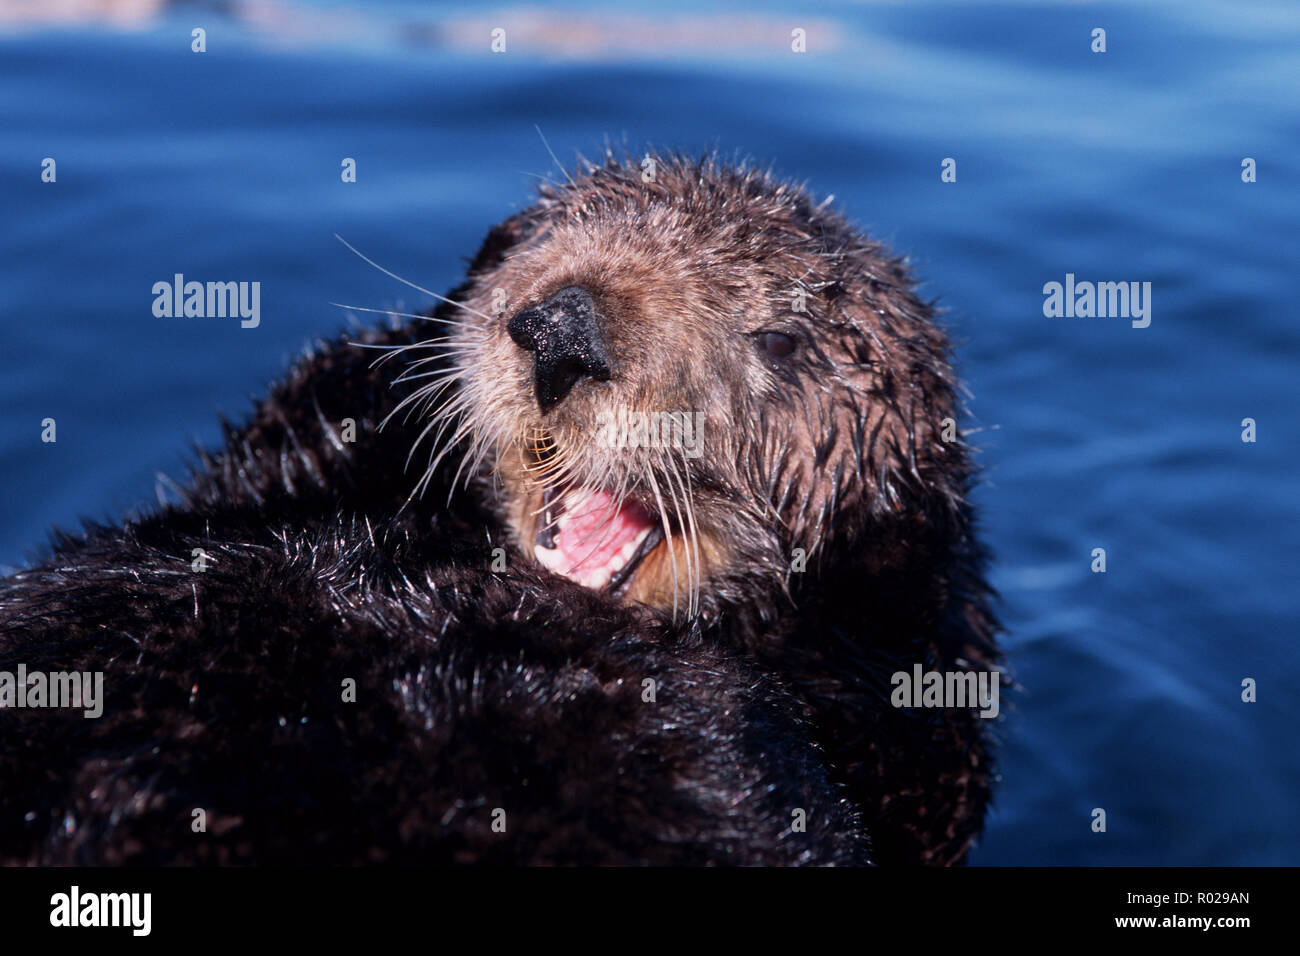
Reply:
x=485, y=625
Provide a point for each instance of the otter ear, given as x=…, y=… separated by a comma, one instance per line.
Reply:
x=503, y=237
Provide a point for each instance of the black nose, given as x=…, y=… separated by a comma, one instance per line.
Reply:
x=564, y=337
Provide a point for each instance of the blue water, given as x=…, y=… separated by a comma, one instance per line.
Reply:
x=1117, y=166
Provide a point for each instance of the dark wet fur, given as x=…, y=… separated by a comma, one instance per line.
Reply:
x=476, y=689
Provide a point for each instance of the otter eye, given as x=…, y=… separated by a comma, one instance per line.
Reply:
x=777, y=344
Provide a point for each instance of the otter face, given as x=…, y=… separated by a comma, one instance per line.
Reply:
x=683, y=392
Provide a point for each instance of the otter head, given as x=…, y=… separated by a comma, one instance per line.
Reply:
x=685, y=384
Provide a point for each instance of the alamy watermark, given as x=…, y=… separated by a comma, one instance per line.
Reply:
x=1103, y=300
x=76, y=690
x=947, y=689
x=208, y=300
x=627, y=428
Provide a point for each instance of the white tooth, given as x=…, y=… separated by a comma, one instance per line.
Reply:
x=594, y=579
x=549, y=558
x=625, y=554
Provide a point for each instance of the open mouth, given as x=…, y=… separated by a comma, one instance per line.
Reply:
x=591, y=538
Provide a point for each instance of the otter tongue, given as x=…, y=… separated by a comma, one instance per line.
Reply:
x=595, y=538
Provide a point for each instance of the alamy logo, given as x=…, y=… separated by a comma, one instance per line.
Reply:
x=75, y=908
x=208, y=300
x=1104, y=300
x=626, y=428
x=947, y=689
x=77, y=691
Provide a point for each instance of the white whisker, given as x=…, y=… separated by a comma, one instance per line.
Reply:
x=402, y=315
x=394, y=275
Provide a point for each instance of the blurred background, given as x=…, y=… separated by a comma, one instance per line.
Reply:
x=1115, y=166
